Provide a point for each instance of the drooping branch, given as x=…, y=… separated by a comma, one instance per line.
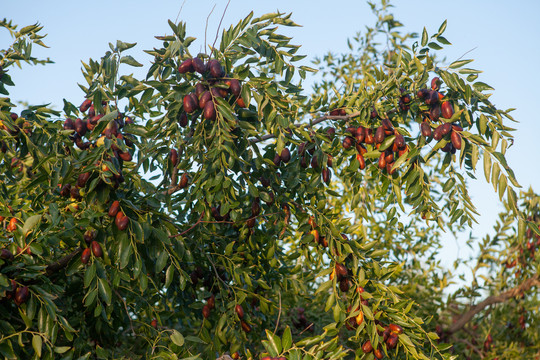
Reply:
x=62, y=262
x=491, y=300
x=175, y=187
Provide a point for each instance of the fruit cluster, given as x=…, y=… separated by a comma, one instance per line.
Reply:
x=214, y=84
x=94, y=247
x=121, y=144
x=342, y=276
x=120, y=219
x=240, y=313
x=174, y=158
x=361, y=136
x=355, y=321
x=19, y=123
x=18, y=293
x=14, y=129
x=439, y=106
x=210, y=304
x=307, y=149
x=390, y=336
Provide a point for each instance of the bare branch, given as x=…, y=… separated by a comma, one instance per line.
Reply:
x=216, y=272
x=191, y=227
x=206, y=27
x=179, y=11
x=491, y=300
x=219, y=26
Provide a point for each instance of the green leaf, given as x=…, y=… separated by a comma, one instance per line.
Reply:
x=122, y=46
x=169, y=276
x=274, y=341
x=502, y=186
x=512, y=199
x=442, y=28
x=534, y=227
x=177, y=338
x=482, y=124
x=124, y=249
x=4, y=280
x=37, y=342
x=128, y=59
x=61, y=349
x=487, y=165
x=6, y=349
x=435, y=46
x=324, y=286
x=405, y=340
x=449, y=184
x=89, y=275
x=480, y=86
x=27, y=29
x=286, y=339
x=521, y=229
x=105, y=291
x=443, y=40
x=424, y=37
x=195, y=339
x=30, y=223
x=467, y=71
x=459, y=63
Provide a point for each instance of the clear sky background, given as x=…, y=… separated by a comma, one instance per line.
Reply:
x=502, y=36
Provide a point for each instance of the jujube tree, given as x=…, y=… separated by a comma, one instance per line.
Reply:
x=216, y=207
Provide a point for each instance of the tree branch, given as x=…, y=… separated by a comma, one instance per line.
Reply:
x=314, y=122
x=62, y=263
x=491, y=300
x=192, y=226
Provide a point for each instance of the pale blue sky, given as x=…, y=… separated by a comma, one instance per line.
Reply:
x=503, y=36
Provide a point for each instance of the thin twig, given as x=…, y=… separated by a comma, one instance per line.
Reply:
x=206, y=27
x=179, y=11
x=220, y=21
x=461, y=57
x=191, y=227
x=127, y=311
x=307, y=328
x=469, y=344
x=216, y=272
x=279, y=313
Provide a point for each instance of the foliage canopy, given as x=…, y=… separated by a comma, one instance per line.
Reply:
x=216, y=206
